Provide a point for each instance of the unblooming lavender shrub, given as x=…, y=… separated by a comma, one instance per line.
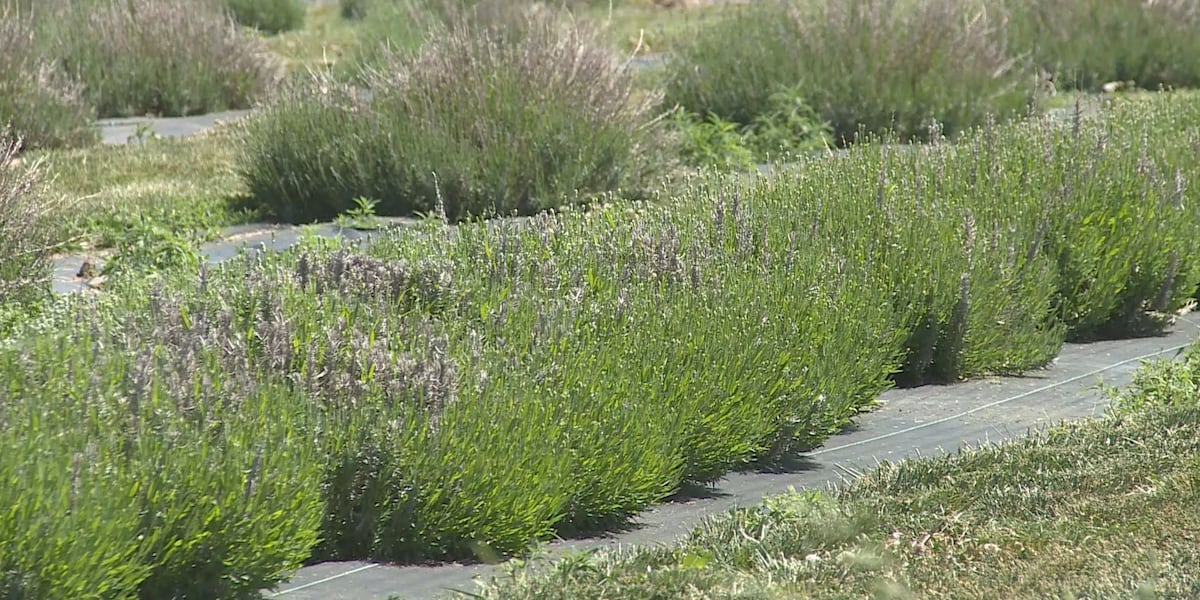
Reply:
x=477, y=121
x=879, y=65
x=71, y=524
x=39, y=101
x=460, y=391
x=385, y=27
x=166, y=57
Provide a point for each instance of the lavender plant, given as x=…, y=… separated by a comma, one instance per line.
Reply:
x=483, y=123
x=878, y=66
x=458, y=390
x=1084, y=44
x=25, y=238
x=268, y=16
x=152, y=57
x=39, y=102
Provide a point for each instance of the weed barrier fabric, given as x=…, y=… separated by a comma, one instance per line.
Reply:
x=911, y=423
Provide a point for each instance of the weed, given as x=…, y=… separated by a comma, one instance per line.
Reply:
x=150, y=248
x=362, y=216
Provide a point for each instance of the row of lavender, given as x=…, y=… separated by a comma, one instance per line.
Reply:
x=458, y=392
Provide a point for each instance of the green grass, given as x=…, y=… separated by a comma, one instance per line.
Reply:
x=186, y=185
x=1105, y=507
x=649, y=29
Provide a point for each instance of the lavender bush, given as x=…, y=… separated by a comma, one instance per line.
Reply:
x=39, y=101
x=460, y=390
x=480, y=122
x=167, y=57
x=1083, y=44
x=879, y=66
x=25, y=241
x=268, y=16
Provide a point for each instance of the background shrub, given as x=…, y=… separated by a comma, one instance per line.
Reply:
x=480, y=122
x=167, y=57
x=879, y=65
x=1086, y=43
x=268, y=16
x=39, y=102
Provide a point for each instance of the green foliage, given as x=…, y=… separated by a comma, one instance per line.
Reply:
x=882, y=66
x=476, y=124
x=149, y=248
x=1161, y=382
x=1086, y=43
x=712, y=142
x=788, y=128
x=362, y=216
x=268, y=16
